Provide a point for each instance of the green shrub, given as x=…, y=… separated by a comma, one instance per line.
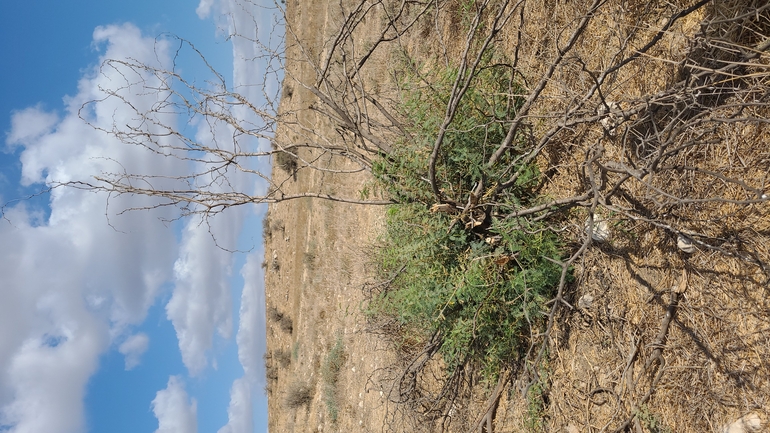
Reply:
x=330, y=371
x=477, y=282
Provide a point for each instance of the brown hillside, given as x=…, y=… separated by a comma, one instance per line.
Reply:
x=651, y=116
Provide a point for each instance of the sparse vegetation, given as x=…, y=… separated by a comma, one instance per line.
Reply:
x=286, y=324
x=269, y=226
x=309, y=257
x=469, y=280
x=287, y=161
x=299, y=394
x=283, y=357
x=537, y=397
x=283, y=320
x=651, y=423
x=330, y=371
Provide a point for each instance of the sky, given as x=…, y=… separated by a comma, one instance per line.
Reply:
x=116, y=321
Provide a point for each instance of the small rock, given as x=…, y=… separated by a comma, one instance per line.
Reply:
x=685, y=244
x=746, y=424
x=585, y=302
x=601, y=230
x=361, y=403
x=611, y=121
x=571, y=429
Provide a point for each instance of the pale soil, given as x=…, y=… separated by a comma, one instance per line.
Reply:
x=716, y=353
x=321, y=257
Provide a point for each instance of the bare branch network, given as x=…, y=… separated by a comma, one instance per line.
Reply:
x=651, y=115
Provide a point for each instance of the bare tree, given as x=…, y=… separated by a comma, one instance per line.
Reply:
x=678, y=156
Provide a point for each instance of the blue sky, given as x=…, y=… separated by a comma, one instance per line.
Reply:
x=109, y=321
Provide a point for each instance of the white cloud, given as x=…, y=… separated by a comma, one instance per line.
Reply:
x=75, y=282
x=49, y=376
x=251, y=345
x=30, y=124
x=204, y=8
x=251, y=324
x=175, y=412
x=239, y=412
x=133, y=349
x=72, y=283
x=201, y=302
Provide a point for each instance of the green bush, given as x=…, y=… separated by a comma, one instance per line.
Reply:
x=330, y=371
x=477, y=282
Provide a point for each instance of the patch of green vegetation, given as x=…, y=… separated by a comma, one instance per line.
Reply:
x=537, y=397
x=473, y=278
x=330, y=371
x=651, y=422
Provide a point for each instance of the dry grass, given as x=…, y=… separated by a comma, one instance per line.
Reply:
x=299, y=394
x=712, y=365
x=716, y=352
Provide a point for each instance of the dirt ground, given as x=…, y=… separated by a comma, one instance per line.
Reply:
x=323, y=364
x=316, y=261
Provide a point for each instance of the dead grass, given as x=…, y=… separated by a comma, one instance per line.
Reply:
x=715, y=360
x=299, y=394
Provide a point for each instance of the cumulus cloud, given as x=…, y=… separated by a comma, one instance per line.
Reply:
x=48, y=375
x=28, y=125
x=175, y=412
x=133, y=349
x=251, y=323
x=204, y=8
x=251, y=346
x=201, y=302
x=239, y=412
x=75, y=281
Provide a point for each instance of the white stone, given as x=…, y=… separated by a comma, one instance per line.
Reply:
x=585, y=302
x=611, y=121
x=601, y=230
x=750, y=423
x=685, y=244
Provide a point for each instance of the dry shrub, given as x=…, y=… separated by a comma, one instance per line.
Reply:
x=283, y=357
x=299, y=394
x=283, y=320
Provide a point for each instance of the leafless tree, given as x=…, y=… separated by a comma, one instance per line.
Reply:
x=681, y=155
